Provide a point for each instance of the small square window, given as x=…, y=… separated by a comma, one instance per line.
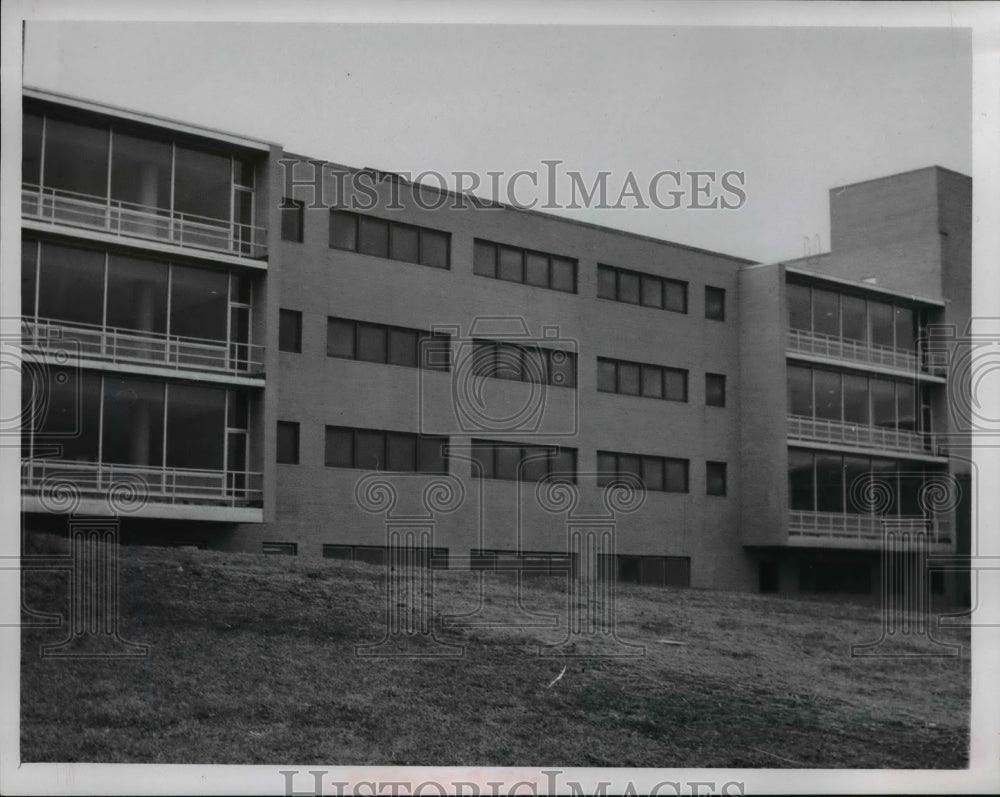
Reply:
x=715, y=478
x=652, y=381
x=606, y=372
x=628, y=287
x=628, y=379
x=290, y=331
x=675, y=296
x=484, y=259
x=564, y=274
x=563, y=465
x=373, y=236
x=536, y=269
x=607, y=468
x=606, y=283
x=677, y=475
x=401, y=452
x=715, y=390
x=369, y=450
x=508, y=461
x=434, y=248
x=511, y=265
x=676, y=384
x=715, y=303
x=404, y=243
x=562, y=369
x=288, y=443
x=292, y=218
x=430, y=454
x=435, y=351
x=483, y=459
x=403, y=347
x=343, y=230
x=340, y=338
x=371, y=343
x=653, y=473
x=339, y=448
x=652, y=291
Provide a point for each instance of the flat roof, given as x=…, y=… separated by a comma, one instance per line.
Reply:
x=868, y=287
x=147, y=118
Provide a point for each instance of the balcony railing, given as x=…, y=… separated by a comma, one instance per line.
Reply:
x=140, y=221
x=865, y=528
x=116, y=345
x=824, y=431
x=841, y=349
x=126, y=488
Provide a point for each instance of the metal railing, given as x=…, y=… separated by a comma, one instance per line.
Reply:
x=865, y=528
x=128, y=487
x=824, y=431
x=140, y=221
x=842, y=349
x=146, y=348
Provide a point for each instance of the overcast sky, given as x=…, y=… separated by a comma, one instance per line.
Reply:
x=798, y=110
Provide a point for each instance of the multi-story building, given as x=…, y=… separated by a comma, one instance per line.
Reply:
x=222, y=340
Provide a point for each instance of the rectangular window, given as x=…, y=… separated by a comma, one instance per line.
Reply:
x=638, y=287
x=829, y=401
x=525, y=266
x=292, y=219
x=530, y=463
x=663, y=474
x=377, y=449
x=524, y=363
x=715, y=390
x=800, y=391
x=641, y=379
x=801, y=481
x=408, y=243
x=826, y=312
x=380, y=343
x=288, y=443
x=281, y=548
x=715, y=303
x=290, y=331
x=715, y=478
x=799, y=307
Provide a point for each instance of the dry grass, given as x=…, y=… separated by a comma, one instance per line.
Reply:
x=253, y=661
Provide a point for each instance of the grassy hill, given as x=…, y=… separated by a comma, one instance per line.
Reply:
x=252, y=660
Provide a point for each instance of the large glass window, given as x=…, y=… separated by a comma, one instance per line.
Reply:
x=29, y=277
x=905, y=328
x=856, y=399
x=133, y=422
x=828, y=397
x=198, y=303
x=65, y=412
x=800, y=395
x=826, y=312
x=853, y=318
x=880, y=324
x=140, y=171
x=195, y=427
x=71, y=284
x=829, y=483
x=857, y=479
x=799, y=307
x=801, y=481
x=906, y=407
x=202, y=183
x=137, y=294
x=883, y=403
x=76, y=157
x=31, y=149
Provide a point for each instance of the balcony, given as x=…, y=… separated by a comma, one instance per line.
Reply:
x=820, y=345
x=124, y=346
x=129, y=220
x=839, y=433
x=128, y=489
x=843, y=530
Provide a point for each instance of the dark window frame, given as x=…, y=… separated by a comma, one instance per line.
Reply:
x=721, y=471
x=422, y=246
x=386, y=436
x=296, y=346
x=666, y=284
x=663, y=369
x=525, y=450
x=523, y=353
x=422, y=335
x=721, y=295
x=604, y=478
x=287, y=207
x=294, y=427
x=552, y=258
x=709, y=377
